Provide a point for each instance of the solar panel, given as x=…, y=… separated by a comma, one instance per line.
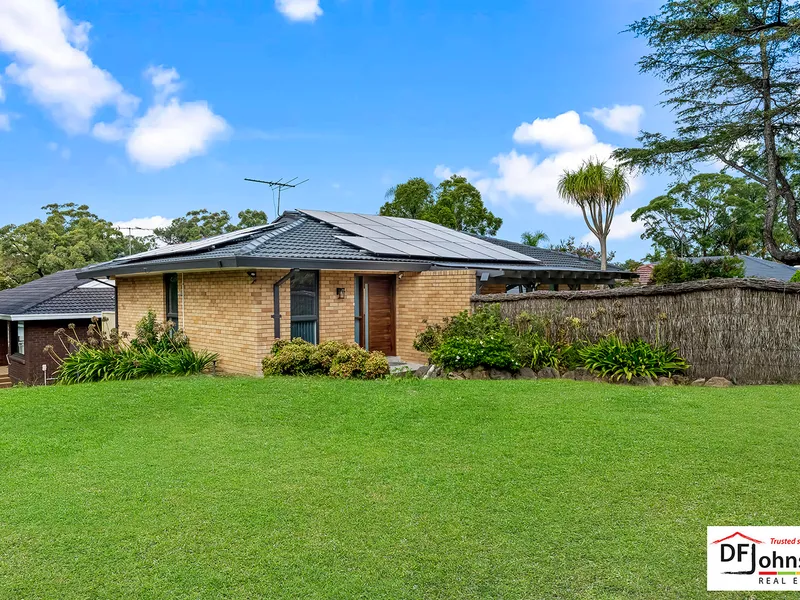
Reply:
x=394, y=236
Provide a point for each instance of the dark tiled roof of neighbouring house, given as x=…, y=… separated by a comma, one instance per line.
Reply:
x=59, y=294
x=759, y=268
x=552, y=258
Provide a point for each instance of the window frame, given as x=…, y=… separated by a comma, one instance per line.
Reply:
x=17, y=341
x=169, y=315
x=305, y=318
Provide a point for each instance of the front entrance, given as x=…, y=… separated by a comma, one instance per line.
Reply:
x=377, y=298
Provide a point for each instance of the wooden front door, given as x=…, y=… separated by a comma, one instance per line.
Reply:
x=379, y=317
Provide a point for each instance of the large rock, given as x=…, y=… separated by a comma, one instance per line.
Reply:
x=718, y=382
x=457, y=375
x=665, y=382
x=699, y=382
x=548, y=373
x=499, y=374
x=432, y=372
x=643, y=381
x=479, y=373
x=681, y=380
x=421, y=371
x=527, y=373
x=582, y=374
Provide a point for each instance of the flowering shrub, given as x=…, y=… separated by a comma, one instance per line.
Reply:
x=345, y=361
x=491, y=351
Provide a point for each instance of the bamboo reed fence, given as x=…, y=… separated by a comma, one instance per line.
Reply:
x=747, y=330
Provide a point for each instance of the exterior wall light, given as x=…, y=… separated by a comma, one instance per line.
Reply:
x=340, y=293
x=252, y=275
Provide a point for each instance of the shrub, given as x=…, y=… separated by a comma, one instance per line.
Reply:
x=156, y=350
x=677, y=270
x=610, y=357
x=429, y=339
x=346, y=361
x=796, y=277
x=490, y=351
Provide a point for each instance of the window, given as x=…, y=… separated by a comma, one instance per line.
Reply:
x=305, y=305
x=171, y=294
x=359, y=312
x=18, y=332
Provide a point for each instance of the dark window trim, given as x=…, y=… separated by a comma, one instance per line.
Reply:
x=306, y=318
x=169, y=315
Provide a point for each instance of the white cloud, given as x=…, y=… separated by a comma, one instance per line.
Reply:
x=2, y=91
x=621, y=119
x=299, y=10
x=564, y=132
x=146, y=225
x=164, y=81
x=5, y=122
x=173, y=133
x=622, y=228
x=62, y=151
x=443, y=172
x=534, y=178
x=110, y=132
x=48, y=50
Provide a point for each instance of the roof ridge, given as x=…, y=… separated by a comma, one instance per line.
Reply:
x=53, y=297
x=258, y=241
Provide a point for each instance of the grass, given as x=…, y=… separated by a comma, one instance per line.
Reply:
x=312, y=488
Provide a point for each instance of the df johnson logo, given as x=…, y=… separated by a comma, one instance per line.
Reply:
x=753, y=558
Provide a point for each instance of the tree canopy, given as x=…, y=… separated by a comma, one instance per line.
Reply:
x=199, y=224
x=584, y=250
x=732, y=73
x=69, y=237
x=712, y=214
x=454, y=203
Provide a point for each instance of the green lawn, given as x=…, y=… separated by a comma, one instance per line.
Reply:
x=311, y=488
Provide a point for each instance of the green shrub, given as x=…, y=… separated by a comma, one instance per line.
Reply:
x=677, y=270
x=156, y=350
x=490, y=351
x=346, y=361
x=429, y=339
x=617, y=360
x=796, y=277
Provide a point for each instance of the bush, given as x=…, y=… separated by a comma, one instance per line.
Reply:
x=677, y=270
x=491, y=351
x=796, y=277
x=346, y=361
x=612, y=358
x=158, y=349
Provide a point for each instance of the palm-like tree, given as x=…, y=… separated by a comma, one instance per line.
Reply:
x=598, y=190
x=535, y=238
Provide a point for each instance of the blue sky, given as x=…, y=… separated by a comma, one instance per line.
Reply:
x=155, y=107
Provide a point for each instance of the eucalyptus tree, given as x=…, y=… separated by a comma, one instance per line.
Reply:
x=597, y=190
x=732, y=74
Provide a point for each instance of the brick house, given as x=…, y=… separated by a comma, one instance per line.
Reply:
x=325, y=276
x=31, y=314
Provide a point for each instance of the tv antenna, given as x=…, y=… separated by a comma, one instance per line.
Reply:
x=278, y=186
x=130, y=231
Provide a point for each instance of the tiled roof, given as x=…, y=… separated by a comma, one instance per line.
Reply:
x=551, y=258
x=60, y=293
x=759, y=268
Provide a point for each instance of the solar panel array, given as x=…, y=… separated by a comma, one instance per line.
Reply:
x=392, y=236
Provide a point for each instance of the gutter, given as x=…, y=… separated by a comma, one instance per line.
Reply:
x=205, y=264
x=49, y=317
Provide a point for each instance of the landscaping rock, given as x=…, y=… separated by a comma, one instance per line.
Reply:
x=665, y=382
x=699, y=382
x=430, y=373
x=582, y=374
x=479, y=373
x=421, y=371
x=499, y=374
x=681, y=380
x=718, y=382
x=569, y=375
x=643, y=382
x=526, y=373
x=456, y=375
x=549, y=373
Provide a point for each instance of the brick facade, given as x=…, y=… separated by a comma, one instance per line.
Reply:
x=38, y=335
x=230, y=313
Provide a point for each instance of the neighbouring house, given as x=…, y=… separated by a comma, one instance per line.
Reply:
x=31, y=314
x=758, y=268
x=322, y=276
x=645, y=273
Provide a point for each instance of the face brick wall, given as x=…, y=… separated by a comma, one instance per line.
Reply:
x=228, y=313
x=38, y=335
x=431, y=296
x=137, y=295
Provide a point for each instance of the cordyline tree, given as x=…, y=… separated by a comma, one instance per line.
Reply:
x=597, y=189
x=732, y=74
